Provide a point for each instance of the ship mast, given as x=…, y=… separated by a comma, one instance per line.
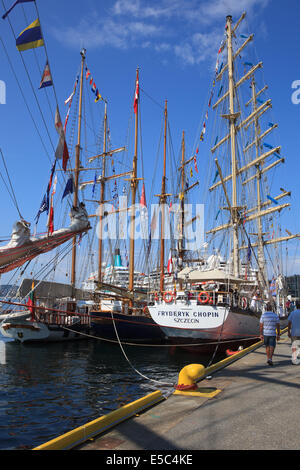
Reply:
x=134, y=183
x=163, y=202
x=77, y=165
x=260, y=246
x=102, y=195
x=232, y=118
x=181, y=243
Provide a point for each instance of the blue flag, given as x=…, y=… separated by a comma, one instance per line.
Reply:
x=13, y=6
x=249, y=252
x=44, y=207
x=94, y=186
x=69, y=187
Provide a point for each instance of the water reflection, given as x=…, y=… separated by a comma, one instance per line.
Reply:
x=49, y=389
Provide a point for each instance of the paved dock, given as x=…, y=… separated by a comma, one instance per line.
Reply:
x=258, y=408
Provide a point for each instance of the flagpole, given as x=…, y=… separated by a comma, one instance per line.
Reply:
x=77, y=166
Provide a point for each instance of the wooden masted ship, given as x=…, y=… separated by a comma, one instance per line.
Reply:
x=221, y=298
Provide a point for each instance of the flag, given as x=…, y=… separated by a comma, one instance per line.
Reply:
x=69, y=187
x=69, y=100
x=62, y=148
x=43, y=207
x=143, y=197
x=94, y=185
x=31, y=37
x=170, y=263
x=98, y=96
x=57, y=120
x=70, y=97
x=136, y=94
x=195, y=163
x=88, y=73
x=46, y=77
x=51, y=220
x=191, y=172
x=13, y=6
x=30, y=301
x=249, y=252
x=50, y=181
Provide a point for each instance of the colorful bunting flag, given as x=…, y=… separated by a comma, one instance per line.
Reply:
x=195, y=164
x=31, y=37
x=62, y=148
x=13, y=6
x=69, y=187
x=46, y=77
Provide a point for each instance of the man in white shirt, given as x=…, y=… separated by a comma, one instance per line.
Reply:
x=294, y=331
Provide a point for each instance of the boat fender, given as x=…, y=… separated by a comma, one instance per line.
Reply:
x=205, y=299
x=168, y=297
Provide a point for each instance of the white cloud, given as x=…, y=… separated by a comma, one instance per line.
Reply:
x=191, y=32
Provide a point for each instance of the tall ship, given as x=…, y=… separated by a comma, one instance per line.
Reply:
x=220, y=297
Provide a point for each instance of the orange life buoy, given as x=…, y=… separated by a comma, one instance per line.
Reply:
x=206, y=299
x=168, y=297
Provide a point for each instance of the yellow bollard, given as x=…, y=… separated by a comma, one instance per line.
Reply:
x=187, y=382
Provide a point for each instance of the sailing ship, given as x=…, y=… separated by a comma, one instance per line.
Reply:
x=221, y=297
x=121, y=312
x=54, y=311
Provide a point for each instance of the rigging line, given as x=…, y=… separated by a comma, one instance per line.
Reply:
x=32, y=87
x=46, y=52
x=30, y=81
x=126, y=357
x=152, y=99
x=4, y=182
x=30, y=113
x=11, y=186
x=38, y=65
x=247, y=338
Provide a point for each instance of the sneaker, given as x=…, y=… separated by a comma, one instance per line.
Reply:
x=270, y=362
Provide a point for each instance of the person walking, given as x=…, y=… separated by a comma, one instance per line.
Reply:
x=294, y=331
x=269, y=325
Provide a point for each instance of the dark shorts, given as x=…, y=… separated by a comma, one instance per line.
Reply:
x=270, y=341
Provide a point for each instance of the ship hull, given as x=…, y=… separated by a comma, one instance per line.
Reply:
x=205, y=328
x=135, y=329
x=32, y=332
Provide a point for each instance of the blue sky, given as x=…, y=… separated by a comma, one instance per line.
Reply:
x=175, y=44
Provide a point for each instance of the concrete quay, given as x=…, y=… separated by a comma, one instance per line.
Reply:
x=258, y=408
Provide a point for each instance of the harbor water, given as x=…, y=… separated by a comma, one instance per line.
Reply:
x=48, y=389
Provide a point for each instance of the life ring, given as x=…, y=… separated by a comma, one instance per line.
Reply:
x=244, y=303
x=146, y=311
x=168, y=297
x=206, y=299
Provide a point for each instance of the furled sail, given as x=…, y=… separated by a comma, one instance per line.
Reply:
x=22, y=247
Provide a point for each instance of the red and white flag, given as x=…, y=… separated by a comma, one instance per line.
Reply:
x=137, y=93
x=170, y=263
x=143, y=197
x=62, y=148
